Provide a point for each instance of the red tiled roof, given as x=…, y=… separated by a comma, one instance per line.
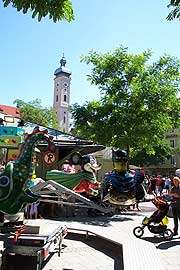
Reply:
x=9, y=110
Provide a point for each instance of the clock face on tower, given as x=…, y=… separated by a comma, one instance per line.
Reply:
x=65, y=84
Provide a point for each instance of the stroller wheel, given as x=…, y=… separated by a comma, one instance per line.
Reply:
x=138, y=231
x=168, y=234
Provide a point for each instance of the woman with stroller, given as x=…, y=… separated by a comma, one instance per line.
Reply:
x=175, y=194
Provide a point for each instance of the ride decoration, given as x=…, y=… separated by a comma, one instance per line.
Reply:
x=122, y=187
x=15, y=178
x=11, y=137
x=81, y=182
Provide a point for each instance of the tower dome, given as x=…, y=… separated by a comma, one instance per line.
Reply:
x=62, y=68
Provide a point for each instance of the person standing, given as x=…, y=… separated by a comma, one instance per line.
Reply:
x=162, y=185
x=153, y=185
x=175, y=194
x=167, y=184
x=158, y=184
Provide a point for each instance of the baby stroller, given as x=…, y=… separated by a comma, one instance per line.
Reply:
x=157, y=223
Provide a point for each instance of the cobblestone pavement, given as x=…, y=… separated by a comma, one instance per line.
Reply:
x=149, y=252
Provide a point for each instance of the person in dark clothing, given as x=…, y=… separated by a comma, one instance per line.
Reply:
x=153, y=185
x=162, y=185
x=175, y=194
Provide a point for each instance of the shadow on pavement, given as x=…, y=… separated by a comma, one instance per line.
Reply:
x=168, y=244
x=154, y=239
x=161, y=243
x=98, y=221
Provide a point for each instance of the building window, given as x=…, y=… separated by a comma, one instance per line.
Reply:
x=172, y=160
x=64, y=120
x=57, y=84
x=65, y=84
x=56, y=98
x=172, y=144
x=65, y=98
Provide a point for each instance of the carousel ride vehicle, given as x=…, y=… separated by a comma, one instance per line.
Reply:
x=121, y=187
x=118, y=190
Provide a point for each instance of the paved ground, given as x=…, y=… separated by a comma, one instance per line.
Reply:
x=149, y=252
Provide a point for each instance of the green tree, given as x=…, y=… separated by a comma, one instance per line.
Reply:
x=138, y=103
x=161, y=154
x=57, y=10
x=175, y=12
x=33, y=112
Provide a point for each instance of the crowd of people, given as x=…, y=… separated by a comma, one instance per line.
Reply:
x=158, y=185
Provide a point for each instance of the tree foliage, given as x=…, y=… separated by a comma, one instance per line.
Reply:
x=161, y=154
x=33, y=112
x=57, y=10
x=138, y=103
x=175, y=12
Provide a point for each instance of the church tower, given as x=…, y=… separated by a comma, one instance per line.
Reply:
x=62, y=94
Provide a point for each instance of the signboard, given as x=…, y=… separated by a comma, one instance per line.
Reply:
x=8, y=131
x=12, y=154
x=49, y=158
x=10, y=141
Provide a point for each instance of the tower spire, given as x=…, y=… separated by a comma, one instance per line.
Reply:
x=63, y=61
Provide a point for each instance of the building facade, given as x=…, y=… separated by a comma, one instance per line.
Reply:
x=61, y=102
x=169, y=167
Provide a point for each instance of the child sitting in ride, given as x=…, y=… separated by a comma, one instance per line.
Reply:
x=67, y=167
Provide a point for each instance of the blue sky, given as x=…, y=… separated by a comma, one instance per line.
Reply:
x=30, y=51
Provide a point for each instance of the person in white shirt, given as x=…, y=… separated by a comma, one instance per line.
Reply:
x=167, y=185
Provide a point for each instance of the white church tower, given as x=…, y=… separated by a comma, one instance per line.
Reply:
x=62, y=94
